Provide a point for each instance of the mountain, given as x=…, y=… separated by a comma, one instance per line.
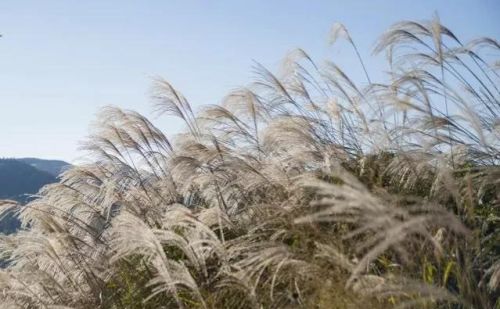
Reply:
x=17, y=179
x=53, y=167
x=20, y=178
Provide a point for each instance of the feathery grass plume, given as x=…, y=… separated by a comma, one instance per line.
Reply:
x=304, y=189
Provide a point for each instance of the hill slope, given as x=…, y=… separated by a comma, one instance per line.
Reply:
x=53, y=167
x=20, y=178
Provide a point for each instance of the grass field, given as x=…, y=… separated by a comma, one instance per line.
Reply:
x=302, y=190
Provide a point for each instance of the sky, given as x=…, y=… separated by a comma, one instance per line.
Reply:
x=62, y=61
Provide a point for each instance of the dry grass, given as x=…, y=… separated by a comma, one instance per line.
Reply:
x=303, y=190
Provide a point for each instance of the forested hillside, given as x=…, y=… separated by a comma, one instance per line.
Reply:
x=20, y=179
x=53, y=167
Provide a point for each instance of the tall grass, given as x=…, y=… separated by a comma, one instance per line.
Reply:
x=303, y=190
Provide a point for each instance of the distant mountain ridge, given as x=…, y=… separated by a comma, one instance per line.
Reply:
x=53, y=167
x=21, y=178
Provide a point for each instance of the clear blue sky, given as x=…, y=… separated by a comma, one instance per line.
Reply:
x=60, y=61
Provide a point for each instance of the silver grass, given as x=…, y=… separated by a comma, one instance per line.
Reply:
x=304, y=187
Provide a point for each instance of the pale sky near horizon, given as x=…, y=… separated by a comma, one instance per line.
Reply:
x=61, y=61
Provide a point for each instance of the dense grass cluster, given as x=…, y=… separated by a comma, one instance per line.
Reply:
x=302, y=190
